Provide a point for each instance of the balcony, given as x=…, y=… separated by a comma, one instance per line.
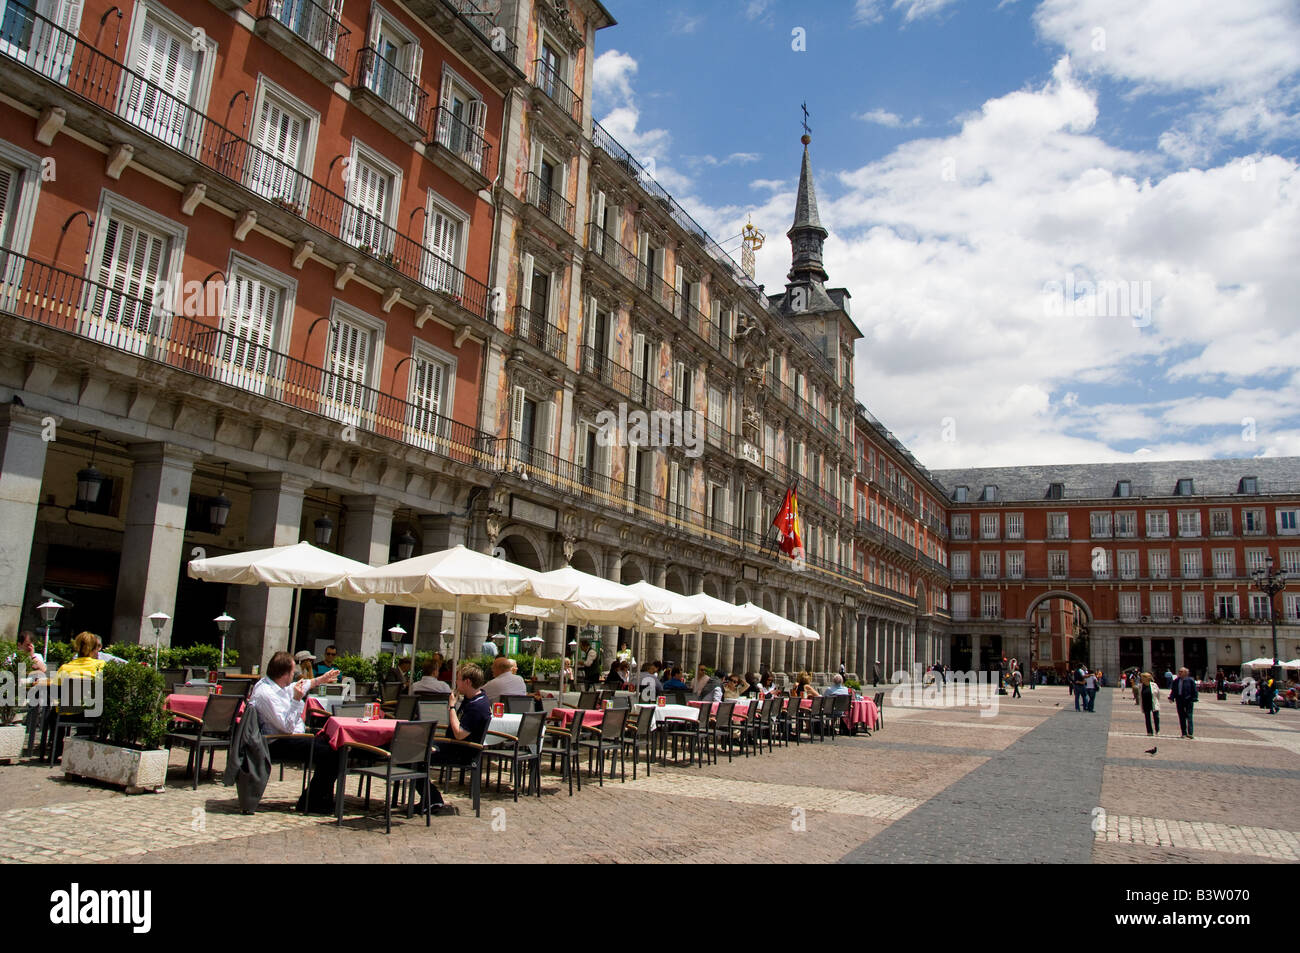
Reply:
x=552, y=205
x=391, y=97
x=104, y=98
x=718, y=437
x=548, y=81
x=535, y=330
x=475, y=36
x=307, y=34
x=616, y=377
x=460, y=151
x=619, y=260
x=110, y=315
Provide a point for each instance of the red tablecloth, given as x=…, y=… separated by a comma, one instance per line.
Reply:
x=192, y=705
x=591, y=717
x=378, y=731
x=863, y=711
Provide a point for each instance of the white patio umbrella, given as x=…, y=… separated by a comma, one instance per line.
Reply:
x=456, y=579
x=298, y=566
x=1294, y=663
x=723, y=618
x=773, y=626
x=1258, y=663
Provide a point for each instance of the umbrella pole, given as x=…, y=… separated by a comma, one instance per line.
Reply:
x=293, y=619
x=564, y=648
x=415, y=638
x=455, y=643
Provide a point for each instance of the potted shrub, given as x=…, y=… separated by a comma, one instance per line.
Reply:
x=131, y=731
x=11, y=694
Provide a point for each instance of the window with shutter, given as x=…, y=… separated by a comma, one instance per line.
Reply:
x=442, y=256
x=347, y=371
x=10, y=179
x=274, y=167
x=160, y=88
x=370, y=197
x=130, y=264
x=248, y=331
x=426, y=425
x=47, y=45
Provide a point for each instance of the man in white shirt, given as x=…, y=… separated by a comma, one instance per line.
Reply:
x=280, y=703
x=429, y=680
x=504, y=680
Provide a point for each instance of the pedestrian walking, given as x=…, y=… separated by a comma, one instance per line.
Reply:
x=1090, y=688
x=1015, y=683
x=1183, y=695
x=1150, y=697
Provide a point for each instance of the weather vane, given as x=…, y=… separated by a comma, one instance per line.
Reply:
x=806, y=129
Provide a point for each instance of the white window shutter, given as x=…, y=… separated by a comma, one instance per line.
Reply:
x=376, y=23
x=674, y=469
x=679, y=373
x=643, y=247
x=599, y=218
x=546, y=426
x=633, y=455
x=526, y=285
x=677, y=280
x=444, y=92
x=580, y=445
x=552, y=298
x=589, y=323
x=638, y=357
x=516, y=413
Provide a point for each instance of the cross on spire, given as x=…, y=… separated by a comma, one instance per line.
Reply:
x=806, y=128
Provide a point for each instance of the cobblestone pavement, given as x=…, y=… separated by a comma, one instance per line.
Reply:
x=1037, y=781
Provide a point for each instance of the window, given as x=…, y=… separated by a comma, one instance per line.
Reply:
x=1259, y=608
x=20, y=186
x=1101, y=563
x=1157, y=523
x=253, y=325
x=1158, y=563
x=1015, y=526
x=134, y=250
x=961, y=606
x=1193, y=606
x=1184, y=488
x=961, y=526
x=1249, y=485
x=353, y=342
x=961, y=565
x=1189, y=522
x=552, y=75
x=1289, y=561
x=1124, y=488
x=284, y=132
x=1127, y=560
x=989, y=565
x=392, y=67
x=166, y=91
x=684, y=394
x=1221, y=522
x=1288, y=522
x=1160, y=603
x=1128, y=606
x=45, y=45
x=1291, y=607
x=959, y=494
x=1225, y=606
x=444, y=230
x=1225, y=563
x=432, y=374
x=1056, y=491
x=1016, y=565
x=990, y=493
x=990, y=605
x=1190, y=563
x=1100, y=523
x=1256, y=559
x=1058, y=525
x=1252, y=522
x=462, y=118
x=1126, y=524
x=1058, y=565
x=989, y=526
x=373, y=188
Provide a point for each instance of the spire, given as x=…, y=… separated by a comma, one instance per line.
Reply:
x=806, y=234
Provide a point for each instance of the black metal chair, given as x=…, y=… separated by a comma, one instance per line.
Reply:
x=640, y=735
x=562, y=743
x=524, y=749
x=839, y=712
x=517, y=704
x=432, y=709
x=214, y=730
x=171, y=678
x=749, y=725
x=880, y=708
x=679, y=698
x=589, y=700
x=406, y=759
x=621, y=701
x=351, y=709
x=307, y=764
x=725, y=728
x=689, y=732
x=608, y=741
x=236, y=686
x=191, y=690
x=61, y=720
x=767, y=724
x=474, y=766
x=787, y=717
x=405, y=710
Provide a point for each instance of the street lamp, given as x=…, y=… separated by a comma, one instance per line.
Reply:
x=158, y=620
x=223, y=622
x=49, y=609
x=405, y=545
x=396, y=634
x=89, y=479
x=324, y=529
x=1271, y=582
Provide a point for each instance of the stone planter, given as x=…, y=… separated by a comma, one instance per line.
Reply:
x=11, y=742
x=137, y=771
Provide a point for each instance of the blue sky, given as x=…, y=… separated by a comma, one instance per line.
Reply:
x=972, y=161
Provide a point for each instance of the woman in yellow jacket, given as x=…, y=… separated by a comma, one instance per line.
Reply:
x=87, y=663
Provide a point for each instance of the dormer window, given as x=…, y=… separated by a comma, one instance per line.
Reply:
x=1249, y=485
x=959, y=494
x=1056, y=491
x=1124, y=488
x=990, y=493
x=1184, y=487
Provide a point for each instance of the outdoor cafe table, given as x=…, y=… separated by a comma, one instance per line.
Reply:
x=378, y=732
x=664, y=712
x=591, y=717
x=862, y=711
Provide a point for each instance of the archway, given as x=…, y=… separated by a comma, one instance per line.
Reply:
x=1057, y=632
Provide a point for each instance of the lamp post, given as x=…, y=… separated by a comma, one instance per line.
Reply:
x=397, y=633
x=158, y=620
x=1033, y=671
x=324, y=529
x=1271, y=582
x=48, y=609
x=223, y=622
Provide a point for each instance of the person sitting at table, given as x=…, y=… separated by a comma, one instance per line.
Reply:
x=444, y=667
x=400, y=672
x=504, y=680
x=733, y=687
x=566, y=672
x=87, y=663
x=105, y=656
x=306, y=663
x=804, y=685
x=837, y=686
x=28, y=655
x=753, y=690
x=429, y=680
x=617, y=677
x=323, y=666
x=648, y=684
x=280, y=701
x=767, y=687
x=708, y=687
x=675, y=681
x=467, y=720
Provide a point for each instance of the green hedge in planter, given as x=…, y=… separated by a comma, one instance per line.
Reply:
x=133, y=706
x=356, y=666
x=10, y=689
x=60, y=653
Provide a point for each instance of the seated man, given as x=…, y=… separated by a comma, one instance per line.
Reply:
x=105, y=656
x=504, y=680
x=648, y=684
x=837, y=686
x=327, y=663
x=468, y=720
x=401, y=672
x=279, y=702
x=429, y=680
x=28, y=655
x=708, y=688
x=675, y=682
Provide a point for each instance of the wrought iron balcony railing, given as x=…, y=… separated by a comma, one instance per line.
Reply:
x=548, y=80
x=537, y=331
x=314, y=25
x=550, y=202
x=462, y=141
x=401, y=92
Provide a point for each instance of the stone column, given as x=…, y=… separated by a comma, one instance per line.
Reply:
x=439, y=532
x=727, y=643
x=609, y=636
x=366, y=537
x=22, y=469
x=263, y=617
x=779, y=646
x=975, y=653
x=1178, y=653
x=1146, y=654
x=1212, y=657
x=154, y=540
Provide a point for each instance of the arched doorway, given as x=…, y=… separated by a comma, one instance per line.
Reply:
x=1058, y=633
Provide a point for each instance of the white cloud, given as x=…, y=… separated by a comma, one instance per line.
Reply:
x=683, y=23
x=867, y=12
x=611, y=78
x=882, y=117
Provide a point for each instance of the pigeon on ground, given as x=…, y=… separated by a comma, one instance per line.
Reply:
x=1151, y=751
